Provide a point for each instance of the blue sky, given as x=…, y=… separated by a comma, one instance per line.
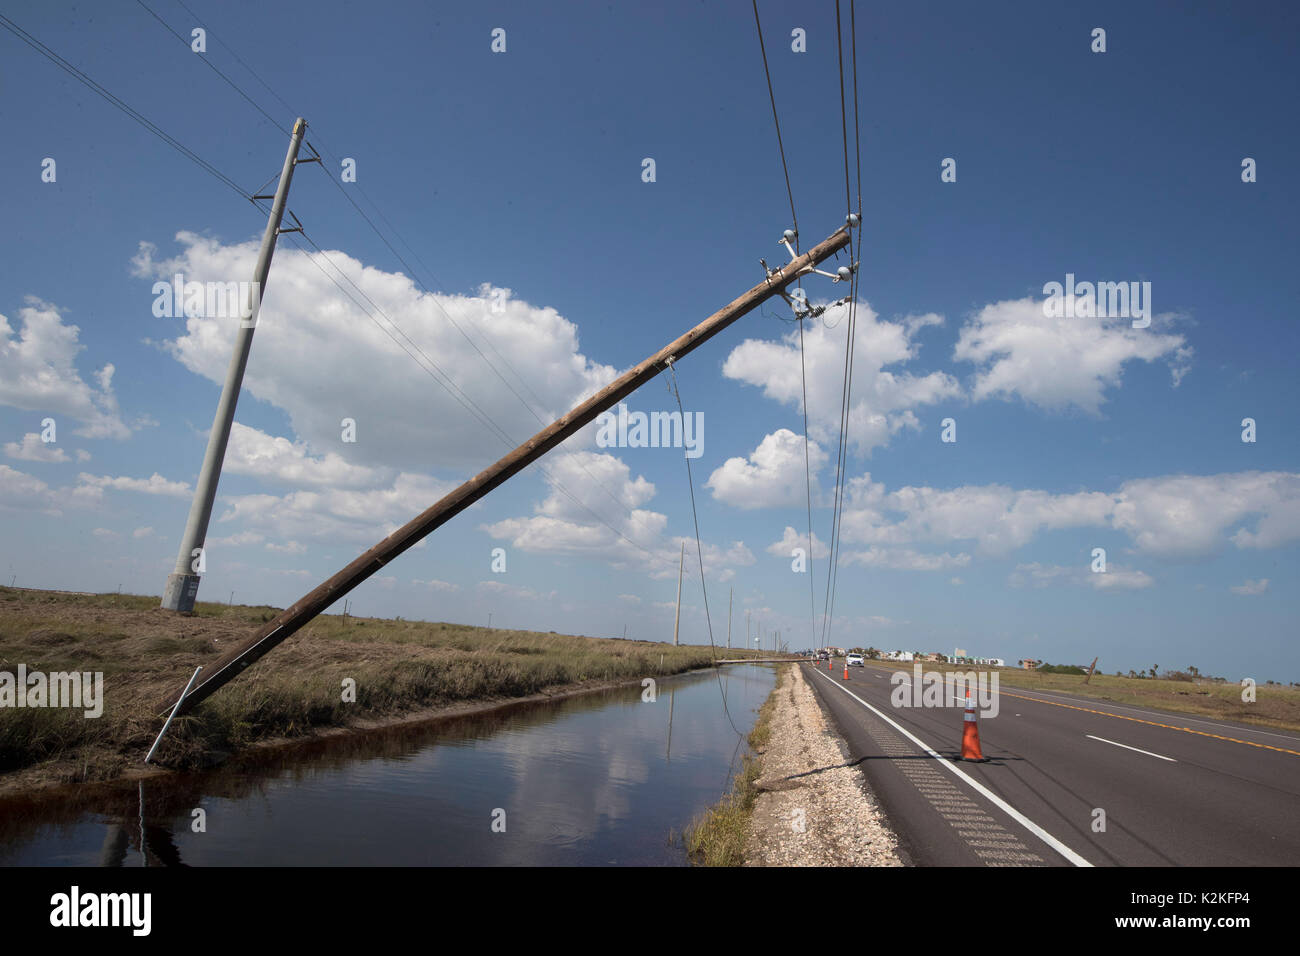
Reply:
x=522, y=171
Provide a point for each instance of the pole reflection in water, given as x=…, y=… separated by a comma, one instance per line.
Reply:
x=585, y=780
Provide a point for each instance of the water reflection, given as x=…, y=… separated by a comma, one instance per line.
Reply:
x=596, y=779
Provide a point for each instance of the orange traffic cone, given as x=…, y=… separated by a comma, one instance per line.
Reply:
x=970, y=735
x=846, y=668
x=830, y=664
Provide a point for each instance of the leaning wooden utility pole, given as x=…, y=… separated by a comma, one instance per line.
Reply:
x=677, y=620
x=232, y=663
x=183, y=583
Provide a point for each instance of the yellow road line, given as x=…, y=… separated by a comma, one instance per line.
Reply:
x=1154, y=723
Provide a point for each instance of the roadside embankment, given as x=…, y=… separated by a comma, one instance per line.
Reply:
x=798, y=801
x=403, y=671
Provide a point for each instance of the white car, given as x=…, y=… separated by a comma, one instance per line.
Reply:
x=855, y=660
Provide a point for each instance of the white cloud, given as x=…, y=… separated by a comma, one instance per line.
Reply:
x=143, y=533
x=20, y=491
x=1174, y=516
x=884, y=399
x=361, y=515
x=792, y=539
x=904, y=559
x=1249, y=587
x=1188, y=515
x=33, y=449
x=254, y=452
x=309, y=336
x=1058, y=362
x=235, y=540
x=1114, y=578
x=38, y=373
x=436, y=585
x=155, y=484
x=289, y=547
x=601, y=486
x=501, y=589
x=104, y=534
x=775, y=476
x=999, y=519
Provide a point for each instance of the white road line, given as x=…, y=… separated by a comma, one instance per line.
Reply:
x=1127, y=747
x=974, y=784
x=1149, y=712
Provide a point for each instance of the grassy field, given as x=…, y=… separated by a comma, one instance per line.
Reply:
x=717, y=838
x=1276, y=706
x=147, y=654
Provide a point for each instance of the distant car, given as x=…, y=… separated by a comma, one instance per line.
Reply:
x=854, y=660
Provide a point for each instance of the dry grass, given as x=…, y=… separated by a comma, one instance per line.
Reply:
x=146, y=655
x=717, y=837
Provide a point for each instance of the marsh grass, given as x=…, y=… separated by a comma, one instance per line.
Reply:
x=717, y=837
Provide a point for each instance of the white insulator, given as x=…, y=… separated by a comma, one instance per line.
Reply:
x=845, y=273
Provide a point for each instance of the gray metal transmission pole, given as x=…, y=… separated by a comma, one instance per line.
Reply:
x=183, y=583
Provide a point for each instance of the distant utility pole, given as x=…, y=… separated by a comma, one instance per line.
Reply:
x=183, y=583
x=678, y=619
x=730, y=594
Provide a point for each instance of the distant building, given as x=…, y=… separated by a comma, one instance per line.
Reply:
x=1029, y=663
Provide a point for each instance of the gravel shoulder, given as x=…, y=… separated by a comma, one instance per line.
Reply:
x=813, y=807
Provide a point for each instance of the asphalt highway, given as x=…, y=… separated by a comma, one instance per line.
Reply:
x=1070, y=781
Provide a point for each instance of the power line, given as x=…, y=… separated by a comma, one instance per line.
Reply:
x=120, y=104
x=807, y=472
x=449, y=384
x=699, y=549
x=776, y=120
x=456, y=392
x=241, y=62
x=209, y=64
x=486, y=338
x=846, y=401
